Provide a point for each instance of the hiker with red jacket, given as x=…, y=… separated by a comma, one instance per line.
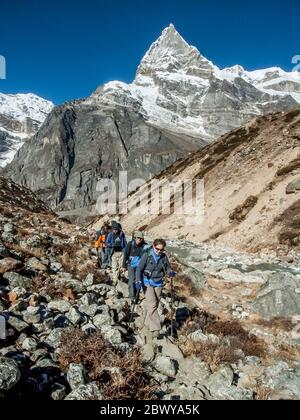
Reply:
x=100, y=245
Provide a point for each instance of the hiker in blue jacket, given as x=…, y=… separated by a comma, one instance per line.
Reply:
x=132, y=256
x=116, y=244
x=152, y=269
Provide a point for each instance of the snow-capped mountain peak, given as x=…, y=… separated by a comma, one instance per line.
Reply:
x=178, y=89
x=21, y=115
x=22, y=106
x=171, y=53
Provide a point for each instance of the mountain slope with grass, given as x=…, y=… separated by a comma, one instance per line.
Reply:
x=252, y=190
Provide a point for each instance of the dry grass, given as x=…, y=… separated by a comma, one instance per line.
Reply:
x=241, y=212
x=26, y=251
x=7, y=212
x=288, y=353
x=240, y=338
x=40, y=284
x=262, y=393
x=233, y=338
x=79, y=264
x=197, y=321
x=290, y=221
x=214, y=355
x=279, y=323
x=294, y=164
x=74, y=259
x=120, y=376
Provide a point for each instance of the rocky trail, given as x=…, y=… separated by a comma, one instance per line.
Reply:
x=68, y=332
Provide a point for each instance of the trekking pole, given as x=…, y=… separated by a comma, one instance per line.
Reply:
x=172, y=308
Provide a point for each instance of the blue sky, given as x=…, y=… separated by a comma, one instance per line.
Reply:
x=63, y=50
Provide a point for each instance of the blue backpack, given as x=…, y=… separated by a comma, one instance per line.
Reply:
x=134, y=261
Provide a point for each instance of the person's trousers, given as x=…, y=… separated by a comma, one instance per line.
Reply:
x=104, y=258
x=116, y=265
x=131, y=282
x=152, y=297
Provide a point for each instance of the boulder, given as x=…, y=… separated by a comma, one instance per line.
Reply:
x=89, y=280
x=16, y=280
x=29, y=344
x=9, y=373
x=111, y=334
x=74, y=316
x=17, y=323
x=277, y=298
x=85, y=392
x=76, y=376
x=103, y=317
x=198, y=337
x=10, y=228
x=166, y=366
x=293, y=186
x=53, y=339
x=61, y=306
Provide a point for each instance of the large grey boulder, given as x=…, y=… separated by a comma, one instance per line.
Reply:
x=103, y=317
x=221, y=386
x=279, y=297
x=112, y=334
x=54, y=338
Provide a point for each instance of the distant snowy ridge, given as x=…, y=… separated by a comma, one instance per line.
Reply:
x=21, y=115
x=22, y=106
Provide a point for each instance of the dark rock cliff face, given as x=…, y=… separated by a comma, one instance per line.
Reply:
x=82, y=143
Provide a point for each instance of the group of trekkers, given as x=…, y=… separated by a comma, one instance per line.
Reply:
x=147, y=266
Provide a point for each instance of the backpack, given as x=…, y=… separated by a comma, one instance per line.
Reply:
x=117, y=244
x=134, y=261
x=100, y=242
